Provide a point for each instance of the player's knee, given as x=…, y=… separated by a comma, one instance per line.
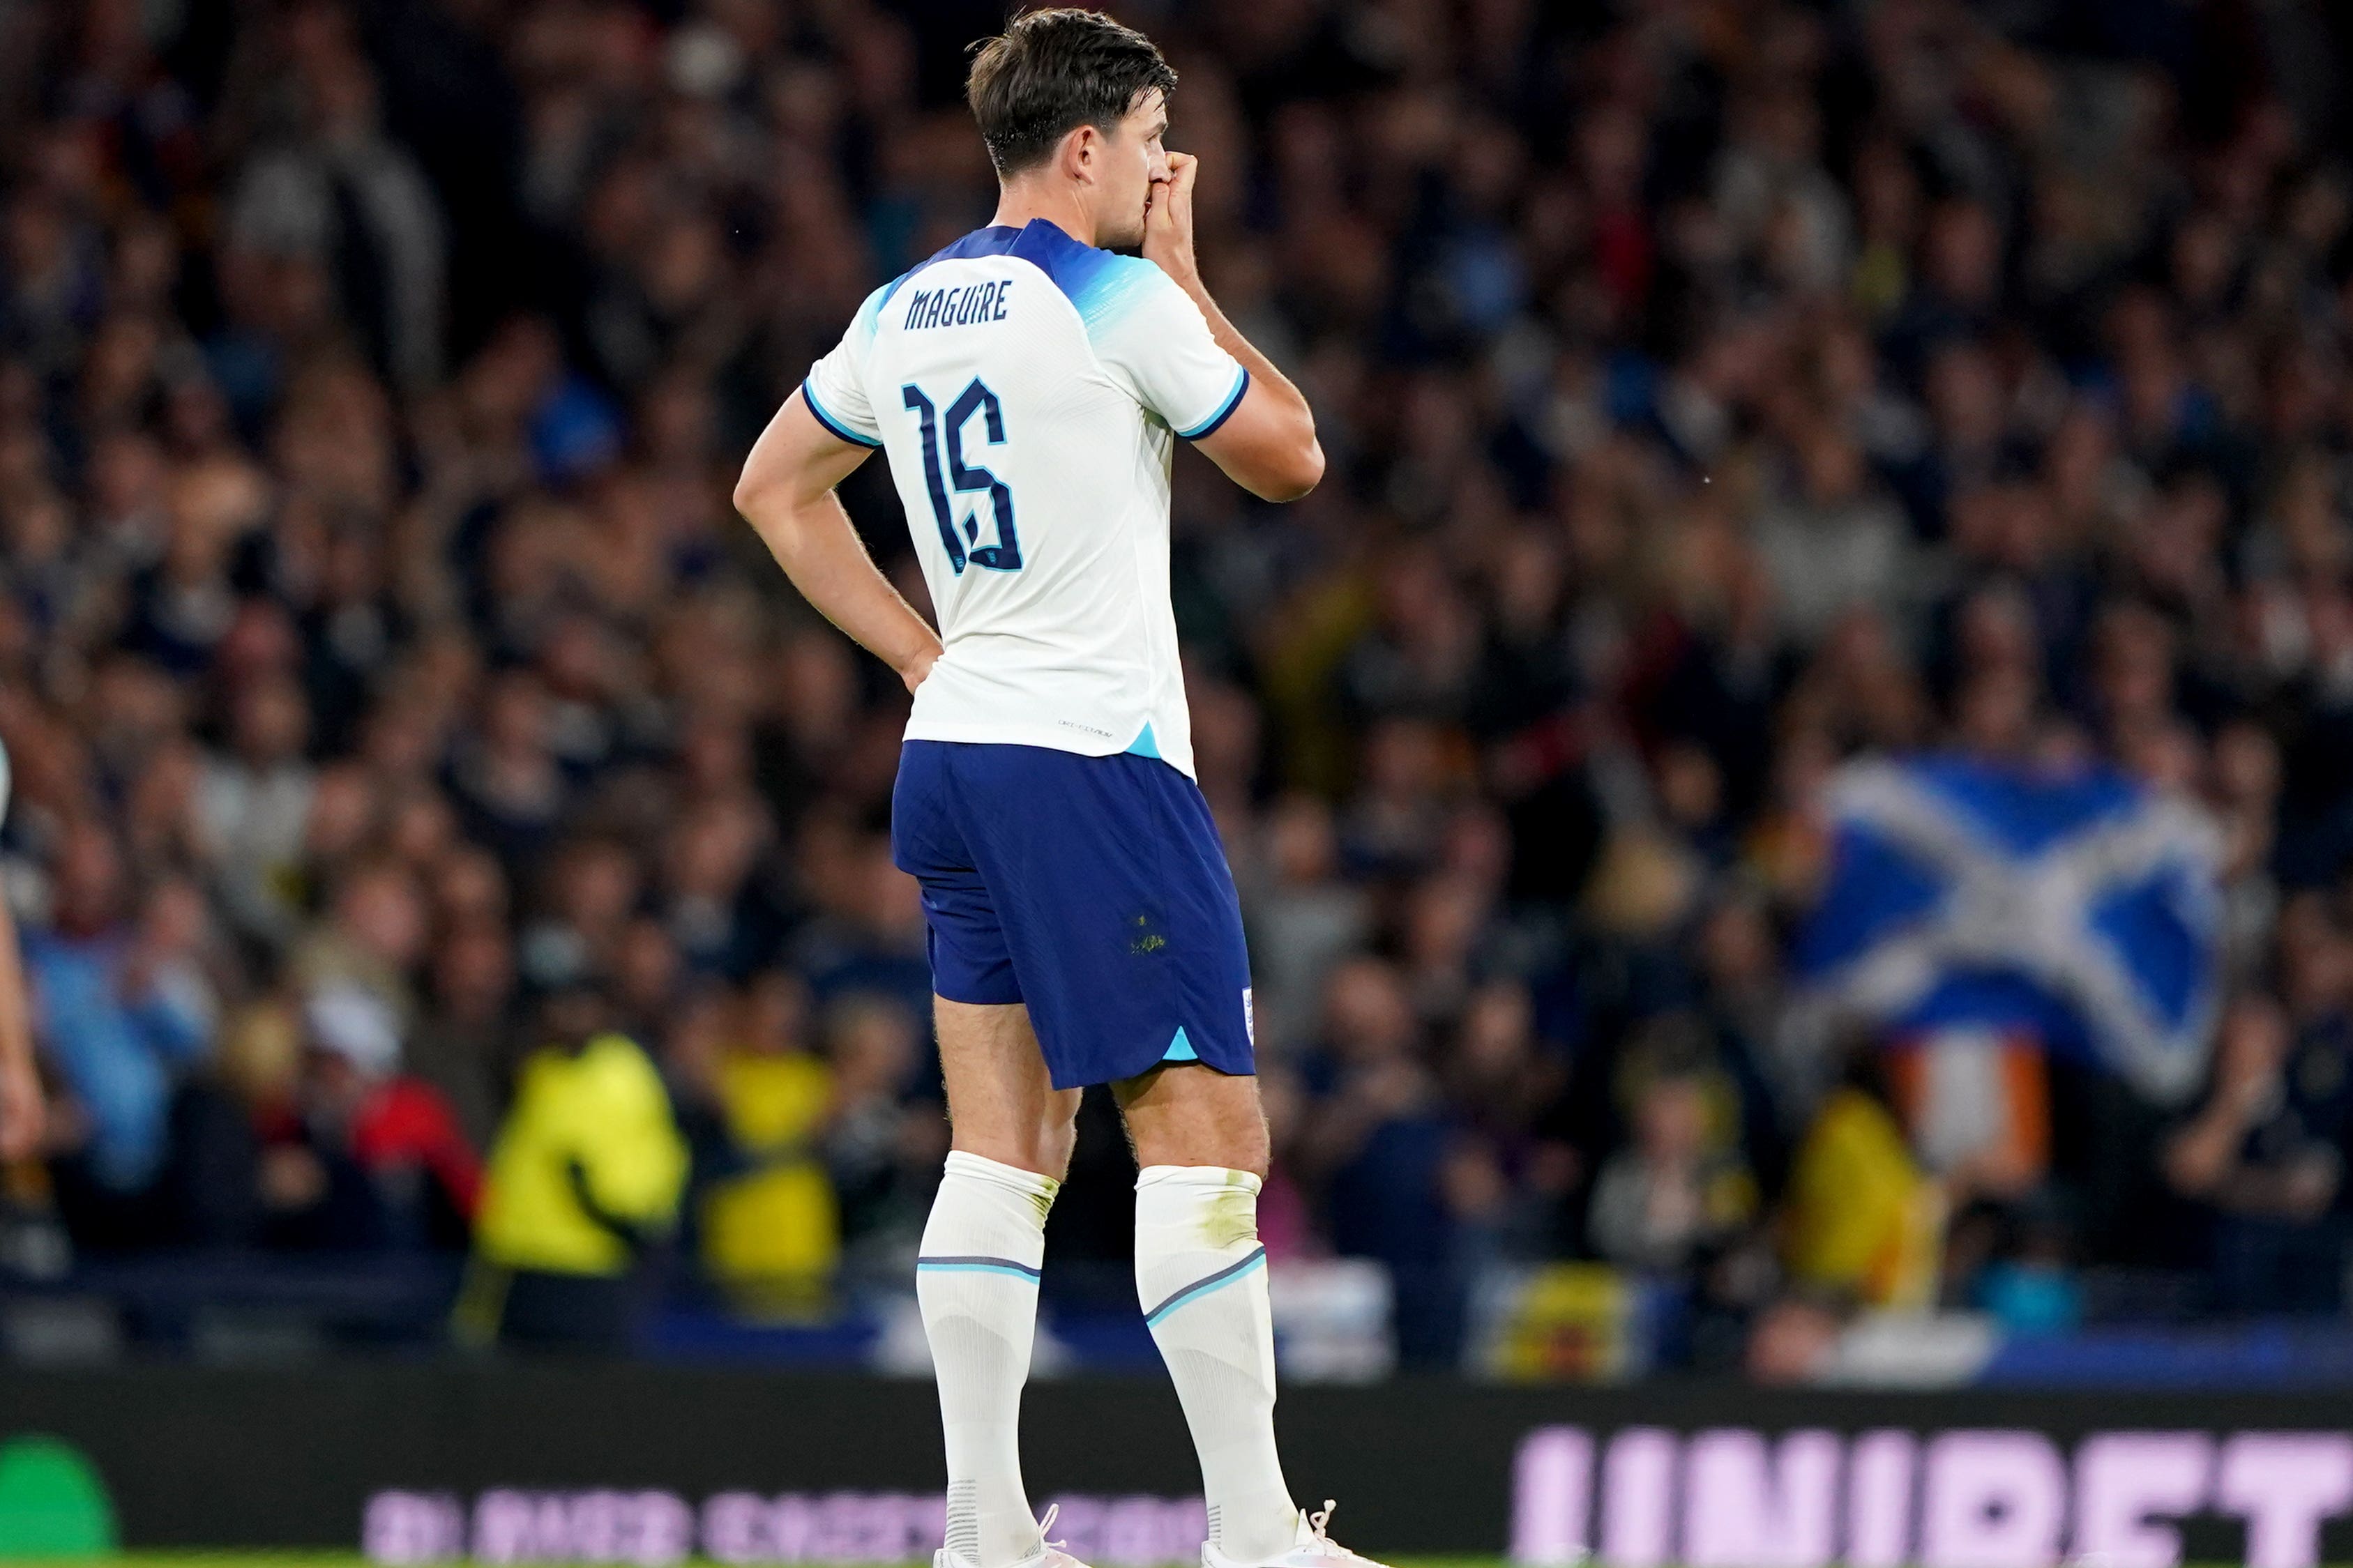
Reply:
x=1237, y=1139
x=1225, y=1131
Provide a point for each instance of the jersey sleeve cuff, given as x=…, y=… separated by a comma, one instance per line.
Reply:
x=1225, y=410
x=809, y=396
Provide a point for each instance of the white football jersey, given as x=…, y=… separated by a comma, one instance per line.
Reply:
x=1028, y=391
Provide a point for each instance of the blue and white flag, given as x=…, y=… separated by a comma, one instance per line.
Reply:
x=2080, y=906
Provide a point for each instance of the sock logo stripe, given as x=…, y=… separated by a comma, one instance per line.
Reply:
x=981, y=1266
x=1203, y=1285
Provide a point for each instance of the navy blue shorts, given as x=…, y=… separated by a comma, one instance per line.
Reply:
x=1093, y=889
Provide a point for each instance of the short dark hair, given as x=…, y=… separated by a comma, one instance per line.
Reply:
x=1051, y=73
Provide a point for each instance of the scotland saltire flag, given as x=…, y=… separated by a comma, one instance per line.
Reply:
x=2080, y=906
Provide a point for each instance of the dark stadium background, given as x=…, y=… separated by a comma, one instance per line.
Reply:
x=1724, y=398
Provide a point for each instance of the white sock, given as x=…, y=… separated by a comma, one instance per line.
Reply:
x=976, y=1280
x=1201, y=1275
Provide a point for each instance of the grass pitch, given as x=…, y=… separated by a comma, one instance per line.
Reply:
x=353, y=1559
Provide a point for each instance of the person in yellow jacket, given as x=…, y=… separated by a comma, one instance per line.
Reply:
x=585, y=1174
x=771, y=1227
x=1859, y=1219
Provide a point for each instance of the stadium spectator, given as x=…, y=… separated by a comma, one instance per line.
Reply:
x=122, y=1010
x=882, y=1143
x=364, y=1157
x=1863, y=1224
x=463, y=1044
x=583, y=1182
x=771, y=1234
x=2266, y=1154
x=1679, y=1191
x=1378, y=1143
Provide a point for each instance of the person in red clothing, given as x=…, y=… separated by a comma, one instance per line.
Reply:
x=371, y=1157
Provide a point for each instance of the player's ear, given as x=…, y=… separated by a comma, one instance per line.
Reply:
x=1082, y=149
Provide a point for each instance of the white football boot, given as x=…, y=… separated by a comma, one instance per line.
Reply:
x=1310, y=1547
x=1051, y=1556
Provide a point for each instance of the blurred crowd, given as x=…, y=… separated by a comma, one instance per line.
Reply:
x=436, y=825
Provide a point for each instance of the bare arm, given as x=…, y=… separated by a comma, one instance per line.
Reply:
x=787, y=495
x=1268, y=445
